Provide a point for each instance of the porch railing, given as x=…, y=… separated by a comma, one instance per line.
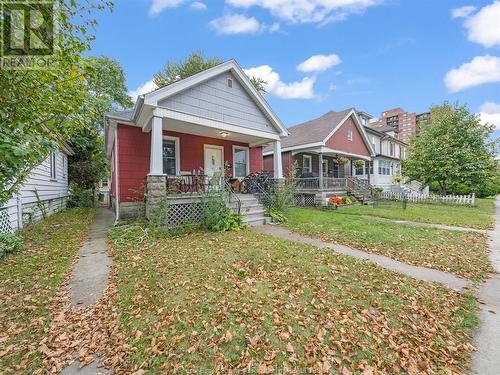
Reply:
x=328, y=183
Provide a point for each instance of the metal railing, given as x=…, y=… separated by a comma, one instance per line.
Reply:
x=326, y=183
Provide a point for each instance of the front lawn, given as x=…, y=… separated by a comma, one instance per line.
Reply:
x=242, y=300
x=479, y=216
x=29, y=281
x=462, y=253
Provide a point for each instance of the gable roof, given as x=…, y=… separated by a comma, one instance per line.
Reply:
x=316, y=132
x=232, y=66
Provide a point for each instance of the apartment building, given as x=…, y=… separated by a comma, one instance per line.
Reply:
x=405, y=124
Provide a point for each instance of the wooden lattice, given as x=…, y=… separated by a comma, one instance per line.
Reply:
x=305, y=200
x=180, y=214
x=5, y=226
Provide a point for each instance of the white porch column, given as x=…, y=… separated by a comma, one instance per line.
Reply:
x=278, y=166
x=320, y=157
x=156, y=160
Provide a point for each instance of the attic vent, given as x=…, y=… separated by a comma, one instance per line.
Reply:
x=230, y=83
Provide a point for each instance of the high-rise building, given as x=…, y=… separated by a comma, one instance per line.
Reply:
x=404, y=123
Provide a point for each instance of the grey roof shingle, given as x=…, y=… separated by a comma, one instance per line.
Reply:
x=313, y=131
x=124, y=115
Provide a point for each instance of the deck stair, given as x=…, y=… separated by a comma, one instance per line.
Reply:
x=360, y=189
x=251, y=210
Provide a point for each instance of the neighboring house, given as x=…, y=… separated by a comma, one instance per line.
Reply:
x=314, y=147
x=188, y=132
x=389, y=152
x=42, y=194
x=315, y=152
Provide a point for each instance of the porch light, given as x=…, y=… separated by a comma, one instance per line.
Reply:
x=224, y=134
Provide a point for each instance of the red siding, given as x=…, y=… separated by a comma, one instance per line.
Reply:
x=256, y=160
x=338, y=141
x=286, y=162
x=134, y=155
x=133, y=159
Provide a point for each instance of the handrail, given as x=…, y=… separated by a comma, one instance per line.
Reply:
x=229, y=189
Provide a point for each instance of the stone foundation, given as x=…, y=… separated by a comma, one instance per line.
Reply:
x=156, y=187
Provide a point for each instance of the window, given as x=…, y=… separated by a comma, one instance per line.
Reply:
x=306, y=163
x=171, y=156
x=359, y=170
x=349, y=134
x=384, y=167
x=335, y=170
x=230, y=83
x=325, y=168
x=373, y=144
x=53, y=165
x=391, y=148
x=240, y=161
x=371, y=167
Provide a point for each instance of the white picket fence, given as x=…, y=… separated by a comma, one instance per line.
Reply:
x=415, y=197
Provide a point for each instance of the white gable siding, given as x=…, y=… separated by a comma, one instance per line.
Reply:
x=214, y=99
x=51, y=192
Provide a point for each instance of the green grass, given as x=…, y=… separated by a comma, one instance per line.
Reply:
x=463, y=253
x=29, y=281
x=479, y=216
x=235, y=300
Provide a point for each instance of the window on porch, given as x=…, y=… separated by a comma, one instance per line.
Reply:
x=306, y=164
x=171, y=156
x=240, y=162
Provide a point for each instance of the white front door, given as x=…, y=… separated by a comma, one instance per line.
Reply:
x=214, y=160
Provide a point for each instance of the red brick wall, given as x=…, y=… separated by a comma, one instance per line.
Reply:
x=338, y=141
x=256, y=160
x=134, y=154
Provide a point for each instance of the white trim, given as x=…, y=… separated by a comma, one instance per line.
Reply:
x=298, y=147
x=308, y=157
x=207, y=145
x=219, y=125
x=152, y=98
x=247, y=150
x=177, y=141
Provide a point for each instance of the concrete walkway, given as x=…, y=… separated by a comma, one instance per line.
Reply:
x=420, y=273
x=486, y=360
x=90, y=278
x=427, y=225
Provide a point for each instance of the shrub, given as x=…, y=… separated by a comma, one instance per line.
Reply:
x=217, y=216
x=80, y=197
x=9, y=243
x=276, y=216
x=346, y=200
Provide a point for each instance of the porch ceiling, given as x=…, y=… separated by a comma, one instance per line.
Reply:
x=212, y=132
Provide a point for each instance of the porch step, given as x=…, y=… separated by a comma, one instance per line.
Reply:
x=251, y=210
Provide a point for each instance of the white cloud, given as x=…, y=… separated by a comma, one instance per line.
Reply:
x=198, y=5
x=318, y=63
x=484, y=26
x=332, y=87
x=145, y=88
x=463, y=12
x=490, y=114
x=274, y=27
x=157, y=6
x=235, y=24
x=482, y=69
x=294, y=90
x=303, y=11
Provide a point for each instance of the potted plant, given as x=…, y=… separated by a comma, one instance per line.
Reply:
x=359, y=163
x=342, y=160
x=398, y=179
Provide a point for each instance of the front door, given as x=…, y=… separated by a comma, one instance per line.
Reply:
x=214, y=160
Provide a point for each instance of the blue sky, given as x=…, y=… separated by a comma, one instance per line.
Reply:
x=321, y=55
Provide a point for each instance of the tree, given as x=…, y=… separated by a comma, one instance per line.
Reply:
x=454, y=150
x=105, y=91
x=195, y=63
x=40, y=108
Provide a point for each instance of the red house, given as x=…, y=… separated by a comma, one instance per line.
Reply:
x=196, y=126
